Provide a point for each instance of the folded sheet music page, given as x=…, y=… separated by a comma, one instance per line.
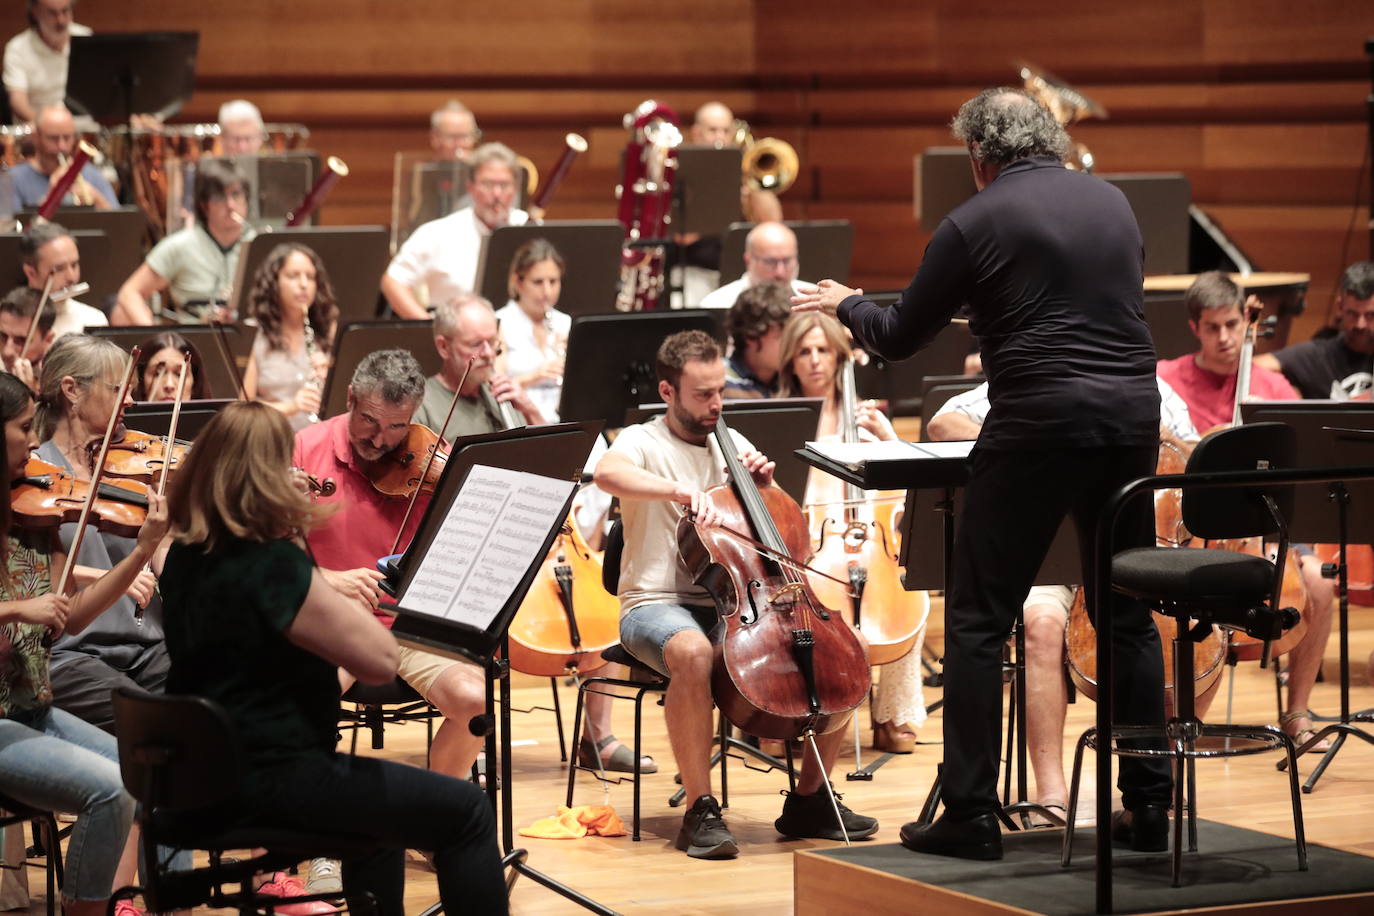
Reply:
x=489, y=539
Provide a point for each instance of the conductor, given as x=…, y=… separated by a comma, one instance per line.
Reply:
x=1049, y=263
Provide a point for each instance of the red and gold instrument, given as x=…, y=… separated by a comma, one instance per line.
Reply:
x=645, y=194
x=334, y=169
x=84, y=153
x=574, y=145
x=785, y=664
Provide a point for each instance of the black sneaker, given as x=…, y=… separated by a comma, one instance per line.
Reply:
x=811, y=816
x=704, y=834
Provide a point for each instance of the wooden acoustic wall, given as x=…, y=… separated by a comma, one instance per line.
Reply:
x=1260, y=102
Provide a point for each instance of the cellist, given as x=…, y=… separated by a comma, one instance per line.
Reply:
x=1206, y=380
x=659, y=470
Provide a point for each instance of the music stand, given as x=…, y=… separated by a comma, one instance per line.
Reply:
x=118, y=74
x=221, y=379
x=943, y=181
x=155, y=417
x=825, y=249
x=1168, y=321
x=355, y=340
x=591, y=249
x=611, y=360
x=354, y=256
x=706, y=189
x=423, y=190
x=124, y=228
x=553, y=452
x=776, y=426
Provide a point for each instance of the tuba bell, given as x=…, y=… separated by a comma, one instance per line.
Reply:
x=769, y=164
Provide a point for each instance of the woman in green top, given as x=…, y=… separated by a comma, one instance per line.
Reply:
x=252, y=625
x=50, y=759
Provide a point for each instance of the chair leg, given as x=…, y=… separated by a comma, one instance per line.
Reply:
x=576, y=736
x=1071, y=815
x=1192, y=802
x=558, y=720
x=1299, y=834
x=639, y=755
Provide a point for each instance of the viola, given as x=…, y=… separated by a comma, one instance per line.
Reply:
x=142, y=456
x=409, y=466
x=785, y=664
x=47, y=496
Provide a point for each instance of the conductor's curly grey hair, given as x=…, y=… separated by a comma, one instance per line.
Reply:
x=1007, y=125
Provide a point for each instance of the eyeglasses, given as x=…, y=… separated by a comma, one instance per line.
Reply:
x=496, y=347
x=775, y=263
x=492, y=187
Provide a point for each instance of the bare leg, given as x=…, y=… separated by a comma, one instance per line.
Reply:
x=598, y=718
x=1046, y=700
x=688, y=709
x=459, y=694
x=1306, y=658
x=810, y=778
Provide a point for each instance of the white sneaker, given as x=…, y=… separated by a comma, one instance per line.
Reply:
x=325, y=877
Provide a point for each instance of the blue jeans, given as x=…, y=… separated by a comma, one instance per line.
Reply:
x=59, y=763
x=646, y=629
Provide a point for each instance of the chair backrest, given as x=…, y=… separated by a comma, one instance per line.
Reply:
x=176, y=752
x=1237, y=512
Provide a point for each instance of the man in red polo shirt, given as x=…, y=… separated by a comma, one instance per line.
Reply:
x=385, y=390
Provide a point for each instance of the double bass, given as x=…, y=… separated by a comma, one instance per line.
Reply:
x=785, y=665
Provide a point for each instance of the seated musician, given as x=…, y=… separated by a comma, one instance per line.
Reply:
x=534, y=333
x=292, y=302
x=770, y=256
x=241, y=131
x=1046, y=610
x=814, y=347
x=47, y=251
x=16, y=318
x=659, y=469
x=36, y=58
x=256, y=627
x=1206, y=380
x=195, y=266
x=160, y=359
x=440, y=258
x=453, y=132
x=465, y=329
x=1340, y=367
x=54, y=141
x=754, y=327
x=383, y=395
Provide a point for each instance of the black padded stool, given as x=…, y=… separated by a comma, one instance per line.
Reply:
x=376, y=705
x=15, y=813
x=1211, y=587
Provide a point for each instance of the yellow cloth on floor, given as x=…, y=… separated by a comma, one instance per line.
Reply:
x=575, y=823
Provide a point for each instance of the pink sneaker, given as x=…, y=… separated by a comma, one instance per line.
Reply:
x=126, y=908
x=283, y=885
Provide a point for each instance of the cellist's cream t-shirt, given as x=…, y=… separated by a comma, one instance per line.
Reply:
x=651, y=572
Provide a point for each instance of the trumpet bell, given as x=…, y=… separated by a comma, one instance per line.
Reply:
x=531, y=174
x=770, y=164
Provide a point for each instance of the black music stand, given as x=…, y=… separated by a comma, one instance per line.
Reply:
x=610, y=363
x=591, y=249
x=1330, y=433
x=706, y=189
x=825, y=249
x=1168, y=321
x=221, y=379
x=155, y=417
x=118, y=74
x=354, y=256
x=556, y=452
x=355, y=340
x=437, y=189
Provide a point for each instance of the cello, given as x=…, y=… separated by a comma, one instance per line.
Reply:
x=785, y=665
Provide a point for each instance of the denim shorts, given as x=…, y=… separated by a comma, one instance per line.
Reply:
x=646, y=629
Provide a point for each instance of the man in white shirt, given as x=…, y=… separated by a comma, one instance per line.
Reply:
x=440, y=257
x=36, y=58
x=48, y=251
x=453, y=132
x=241, y=131
x=770, y=256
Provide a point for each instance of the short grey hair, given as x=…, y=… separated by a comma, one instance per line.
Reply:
x=1358, y=280
x=393, y=375
x=494, y=152
x=1007, y=125
x=447, y=314
x=240, y=110
x=452, y=106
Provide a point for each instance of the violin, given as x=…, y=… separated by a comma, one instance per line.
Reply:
x=415, y=465
x=142, y=456
x=785, y=664
x=47, y=497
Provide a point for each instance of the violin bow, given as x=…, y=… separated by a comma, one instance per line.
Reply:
x=96, y=471
x=37, y=313
x=167, y=454
x=434, y=453
x=764, y=550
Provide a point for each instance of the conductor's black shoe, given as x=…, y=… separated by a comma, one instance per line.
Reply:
x=812, y=817
x=1144, y=828
x=977, y=837
x=704, y=834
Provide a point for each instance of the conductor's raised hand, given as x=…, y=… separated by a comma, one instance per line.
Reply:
x=825, y=296
x=758, y=466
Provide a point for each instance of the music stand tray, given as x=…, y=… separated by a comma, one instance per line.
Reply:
x=590, y=248
x=118, y=74
x=355, y=340
x=155, y=417
x=221, y=379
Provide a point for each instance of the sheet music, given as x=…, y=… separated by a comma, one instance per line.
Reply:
x=857, y=454
x=490, y=537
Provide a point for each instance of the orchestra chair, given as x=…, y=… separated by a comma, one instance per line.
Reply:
x=1200, y=588
x=375, y=705
x=15, y=813
x=178, y=755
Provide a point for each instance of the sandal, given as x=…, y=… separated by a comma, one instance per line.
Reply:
x=1301, y=736
x=622, y=759
x=1039, y=820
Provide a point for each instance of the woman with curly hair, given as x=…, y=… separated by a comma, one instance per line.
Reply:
x=293, y=305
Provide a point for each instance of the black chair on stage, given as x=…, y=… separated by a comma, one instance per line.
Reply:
x=179, y=755
x=377, y=705
x=1201, y=588
x=14, y=813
